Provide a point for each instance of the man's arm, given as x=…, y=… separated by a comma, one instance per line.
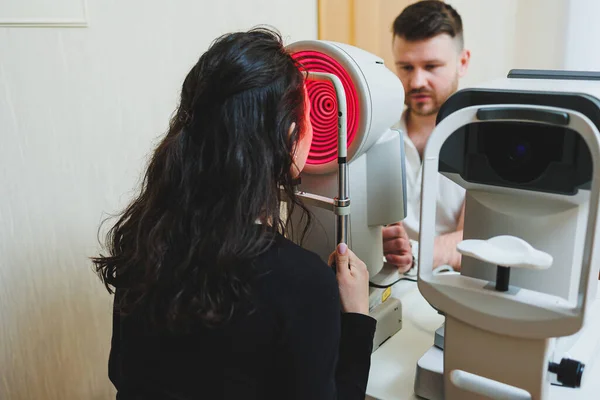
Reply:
x=444, y=250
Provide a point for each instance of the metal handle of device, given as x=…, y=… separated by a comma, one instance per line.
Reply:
x=341, y=204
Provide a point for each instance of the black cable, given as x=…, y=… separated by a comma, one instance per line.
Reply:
x=375, y=285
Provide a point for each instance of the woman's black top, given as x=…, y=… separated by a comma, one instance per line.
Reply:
x=297, y=344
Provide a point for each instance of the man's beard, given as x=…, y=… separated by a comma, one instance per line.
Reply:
x=437, y=101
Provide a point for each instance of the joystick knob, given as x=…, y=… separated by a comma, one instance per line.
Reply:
x=568, y=372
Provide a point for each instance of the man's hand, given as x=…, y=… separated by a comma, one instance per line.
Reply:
x=396, y=247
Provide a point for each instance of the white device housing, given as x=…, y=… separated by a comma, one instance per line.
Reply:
x=497, y=343
x=375, y=159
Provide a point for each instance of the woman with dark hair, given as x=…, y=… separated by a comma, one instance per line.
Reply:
x=212, y=301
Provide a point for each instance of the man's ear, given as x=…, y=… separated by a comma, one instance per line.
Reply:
x=463, y=62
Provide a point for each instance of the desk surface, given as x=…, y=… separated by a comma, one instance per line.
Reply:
x=393, y=365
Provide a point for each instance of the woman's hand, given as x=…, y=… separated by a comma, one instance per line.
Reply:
x=353, y=280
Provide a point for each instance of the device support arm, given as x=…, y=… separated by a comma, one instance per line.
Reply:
x=341, y=204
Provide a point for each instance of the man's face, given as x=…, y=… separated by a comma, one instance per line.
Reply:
x=429, y=70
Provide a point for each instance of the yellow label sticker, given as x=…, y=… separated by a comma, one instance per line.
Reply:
x=386, y=293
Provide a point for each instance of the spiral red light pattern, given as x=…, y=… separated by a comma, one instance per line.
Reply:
x=324, y=109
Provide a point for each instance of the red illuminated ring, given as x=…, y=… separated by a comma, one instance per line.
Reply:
x=324, y=108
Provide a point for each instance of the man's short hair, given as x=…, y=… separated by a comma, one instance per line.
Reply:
x=428, y=18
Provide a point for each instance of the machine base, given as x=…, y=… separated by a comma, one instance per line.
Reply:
x=387, y=310
x=429, y=378
x=389, y=320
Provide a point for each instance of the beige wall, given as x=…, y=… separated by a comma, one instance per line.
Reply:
x=83, y=95
x=508, y=34
x=363, y=23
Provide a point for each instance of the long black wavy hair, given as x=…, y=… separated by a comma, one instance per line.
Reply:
x=183, y=248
